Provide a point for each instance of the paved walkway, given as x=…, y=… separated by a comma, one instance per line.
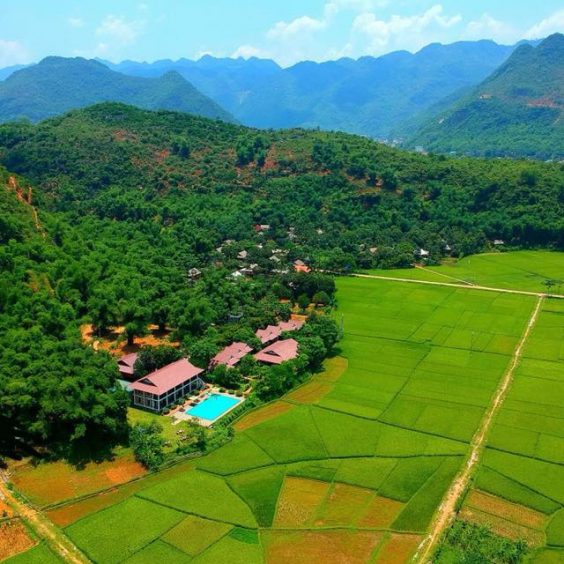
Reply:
x=447, y=510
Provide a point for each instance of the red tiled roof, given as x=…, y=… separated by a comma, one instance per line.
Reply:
x=271, y=333
x=302, y=268
x=126, y=363
x=164, y=379
x=291, y=325
x=231, y=355
x=278, y=352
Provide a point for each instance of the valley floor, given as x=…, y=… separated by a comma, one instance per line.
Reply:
x=354, y=465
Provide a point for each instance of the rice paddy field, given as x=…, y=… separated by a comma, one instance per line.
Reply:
x=519, y=270
x=352, y=466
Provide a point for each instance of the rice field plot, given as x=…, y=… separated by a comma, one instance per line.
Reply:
x=349, y=471
x=14, y=538
x=39, y=554
x=519, y=270
x=524, y=461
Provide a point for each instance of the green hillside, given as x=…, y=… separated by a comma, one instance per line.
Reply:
x=517, y=111
x=56, y=85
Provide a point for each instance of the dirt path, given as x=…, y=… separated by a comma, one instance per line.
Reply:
x=43, y=528
x=447, y=510
x=452, y=285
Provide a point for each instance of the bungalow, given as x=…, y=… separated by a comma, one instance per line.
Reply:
x=301, y=266
x=498, y=242
x=422, y=253
x=268, y=335
x=166, y=385
x=242, y=255
x=194, y=273
x=291, y=325
x=278, y=352
x=126, y=366
x=231, y=355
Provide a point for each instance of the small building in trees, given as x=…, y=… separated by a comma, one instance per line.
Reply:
x=126, y=366
x=231, y=355
x=301, y=266
x=291, y=325
x=194, y=274
x=278, y=352
x=269, y=334
x=161, y=388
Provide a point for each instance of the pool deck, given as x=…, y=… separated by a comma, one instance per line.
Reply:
x=181, y=415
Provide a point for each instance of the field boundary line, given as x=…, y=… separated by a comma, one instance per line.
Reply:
x=425, y=269
x=452, y=285
x=447, y=510
x=43, y=528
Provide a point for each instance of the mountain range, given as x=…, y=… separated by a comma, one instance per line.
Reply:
x=57, y=84
x=518, y=110
x=476, y=98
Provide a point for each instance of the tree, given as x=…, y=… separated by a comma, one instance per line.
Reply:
x=202, y=351
x=303, y=301
x=225, y=377
x=321, y=298
x=313, y=349
x=153, y=358
x=148, y=444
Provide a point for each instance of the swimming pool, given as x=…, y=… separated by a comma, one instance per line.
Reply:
x=213, y=407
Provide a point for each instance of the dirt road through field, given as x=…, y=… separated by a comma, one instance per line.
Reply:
x=447, y=510
x=43, y=528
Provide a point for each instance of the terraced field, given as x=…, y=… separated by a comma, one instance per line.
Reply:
x=353, y=465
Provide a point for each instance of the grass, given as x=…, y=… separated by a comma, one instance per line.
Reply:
x=370, y=443
x=519, y=270
x=101, y=535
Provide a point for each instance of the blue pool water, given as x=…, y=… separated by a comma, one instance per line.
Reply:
x=213, y=407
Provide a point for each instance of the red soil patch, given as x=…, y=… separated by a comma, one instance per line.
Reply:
x=14, y=539
x=5, y=510
x=398, y=549
x=162, y=155
x=380, y=513
x=57, y=481
x=327, y=547
x=261, y=415
x=115, y=343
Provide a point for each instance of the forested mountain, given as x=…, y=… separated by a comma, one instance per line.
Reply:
x=370, y=96
x=56, y=85
x=517, y=111
x=106, y=209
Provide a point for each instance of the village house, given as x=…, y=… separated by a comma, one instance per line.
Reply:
x=278, y=352
x=231, y=355
x=269, y=334
x=194, y=273
x=301, y=266
x=161, y=388
x=242, y=255
x=126, y=366
x=291, y=325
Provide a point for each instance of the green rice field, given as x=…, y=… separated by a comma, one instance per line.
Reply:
x=359, y=461
x=519, y=270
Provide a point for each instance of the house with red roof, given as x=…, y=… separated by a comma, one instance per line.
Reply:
x=301, y=266
x=269, y=334
x=231, y=355
x=291, y=325
x=278, y=352
x=166, y=385
x=126, y=366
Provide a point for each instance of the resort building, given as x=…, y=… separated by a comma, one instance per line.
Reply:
x=231, y=355
x=301, y=266
x=278, y=352
x=166, y=385
x=268, y=335
x=126, y=366
x=291, y=325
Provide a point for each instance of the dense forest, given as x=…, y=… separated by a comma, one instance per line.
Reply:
x=517, y=111
x=105, y=211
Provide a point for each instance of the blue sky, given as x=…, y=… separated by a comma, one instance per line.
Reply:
x=286, y=30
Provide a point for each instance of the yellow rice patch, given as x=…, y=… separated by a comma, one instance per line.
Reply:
x=299, y=501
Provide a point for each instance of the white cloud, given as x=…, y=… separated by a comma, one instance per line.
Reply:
x=12, y=53
x=487, y=27
x=552, y=24
x=411, y=30
x=76, y=22
x=299, y=26
x=248, y=51
x=120, y=30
